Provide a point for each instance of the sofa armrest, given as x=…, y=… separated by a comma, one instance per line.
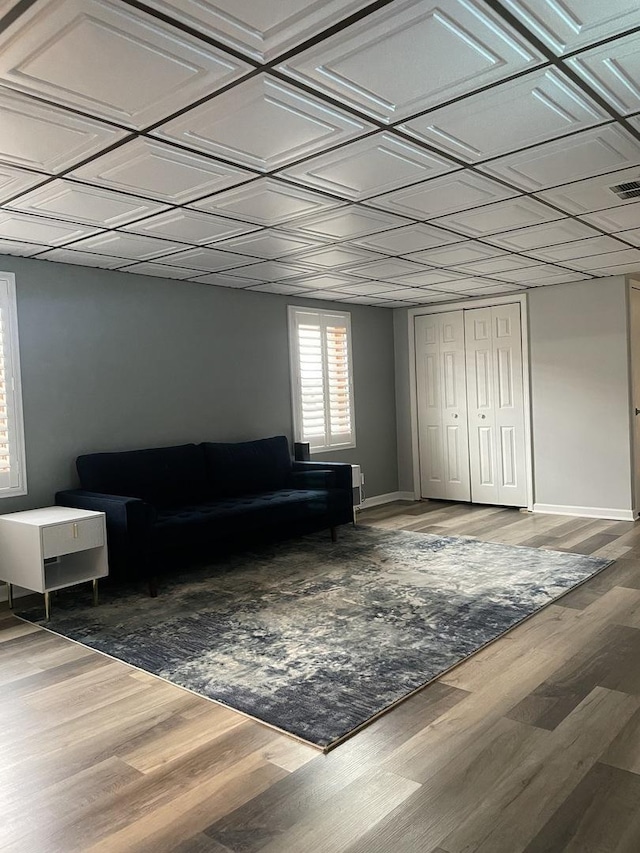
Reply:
x=334, y=475
x=128, y=514
x=129, y=528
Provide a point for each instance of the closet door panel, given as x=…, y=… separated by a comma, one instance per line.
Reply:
x=429, y=409
x=509, y=410
x=481, y=406
x=496, y=405
x=442, y=415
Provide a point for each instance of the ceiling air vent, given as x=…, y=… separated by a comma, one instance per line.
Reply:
x=629, y=190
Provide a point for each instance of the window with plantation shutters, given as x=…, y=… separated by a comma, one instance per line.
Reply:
x=322, y=378
x=12, y=469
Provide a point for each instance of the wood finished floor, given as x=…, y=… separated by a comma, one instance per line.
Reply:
x=531, y=746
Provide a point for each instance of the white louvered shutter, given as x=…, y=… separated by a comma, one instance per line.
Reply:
x=322, y=378
x=11, y=434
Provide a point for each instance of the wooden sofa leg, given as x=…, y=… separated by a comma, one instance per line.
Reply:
x=334, y=534
x=153, y=587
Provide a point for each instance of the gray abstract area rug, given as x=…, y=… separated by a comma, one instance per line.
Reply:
x=317, y=638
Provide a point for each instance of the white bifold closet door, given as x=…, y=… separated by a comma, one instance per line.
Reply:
x=495, y=403
x=442, y=406
x=471, y=418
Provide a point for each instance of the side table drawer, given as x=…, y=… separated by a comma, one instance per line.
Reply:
x=72, y=536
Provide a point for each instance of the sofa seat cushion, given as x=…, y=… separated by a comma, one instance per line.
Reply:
x=230, y=516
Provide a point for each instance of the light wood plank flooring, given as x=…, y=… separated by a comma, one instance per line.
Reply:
x=532, y=745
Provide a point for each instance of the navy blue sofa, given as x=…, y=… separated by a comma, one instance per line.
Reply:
x=168, y=506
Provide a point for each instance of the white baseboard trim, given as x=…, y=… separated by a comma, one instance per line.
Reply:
x=390, y=497
x=586, y=511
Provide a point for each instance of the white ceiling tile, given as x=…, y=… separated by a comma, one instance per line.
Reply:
x=79, y=203
x=390, y=269
x=534, y=273
x=616, y=269
x=370, y=288
x=160, y=271
x=462, y=284
x=277, y=287
x=428, y=277
x=261, y=30
x=429, y=296
x=602, y=149
x=325, y=281
x=535, y=108
x=339, y=296
x=270, y=271
x=503, y=263
x=591, y=194
x=263, y=124
x=39, y=229
x=493, y=218
x=440, y=196
x=45, y=137
x=562, y=278
x=366, y=300
x=267, y=243
x=346, y=223
x=631, y=236
x=223, y=280
x=490, y=289
x=14, y=181
x=15, y=247
x=578, y=249
x=86, y=259
x=151, y=168
x=613, y=70
x=110, y=60
x=524, y=239
x=133, y=246
x=614, y=219
x=266, y=202
x=388, y=303
x=335, y=257
x=190, y=226
x=409, y=238
x=371, y=166
x=573, y=24
x=415, y=295
x=607, y=259
x=455, y=45
x=466, y=252
x=207, y=260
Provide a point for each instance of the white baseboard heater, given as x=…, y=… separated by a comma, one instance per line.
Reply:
x=357, y=481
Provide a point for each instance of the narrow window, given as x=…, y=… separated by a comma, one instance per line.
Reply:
x=12, y=468
x=322, y=378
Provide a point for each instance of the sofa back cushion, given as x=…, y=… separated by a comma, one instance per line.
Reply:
x=163, y=476
x=247, y=467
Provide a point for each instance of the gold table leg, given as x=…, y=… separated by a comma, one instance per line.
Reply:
x=47, y=606
x=95, y=592
x=10, y=595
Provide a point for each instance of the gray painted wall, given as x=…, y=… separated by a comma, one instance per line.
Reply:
x=403, y=400
x=579, y=393
x=114, y=361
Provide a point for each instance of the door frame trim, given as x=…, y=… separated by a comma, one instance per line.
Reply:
x=467, y=304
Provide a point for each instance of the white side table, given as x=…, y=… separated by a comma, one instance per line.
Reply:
x=52, y=548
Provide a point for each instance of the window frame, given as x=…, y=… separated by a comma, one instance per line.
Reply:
x=14, y=393
x=294, y=363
